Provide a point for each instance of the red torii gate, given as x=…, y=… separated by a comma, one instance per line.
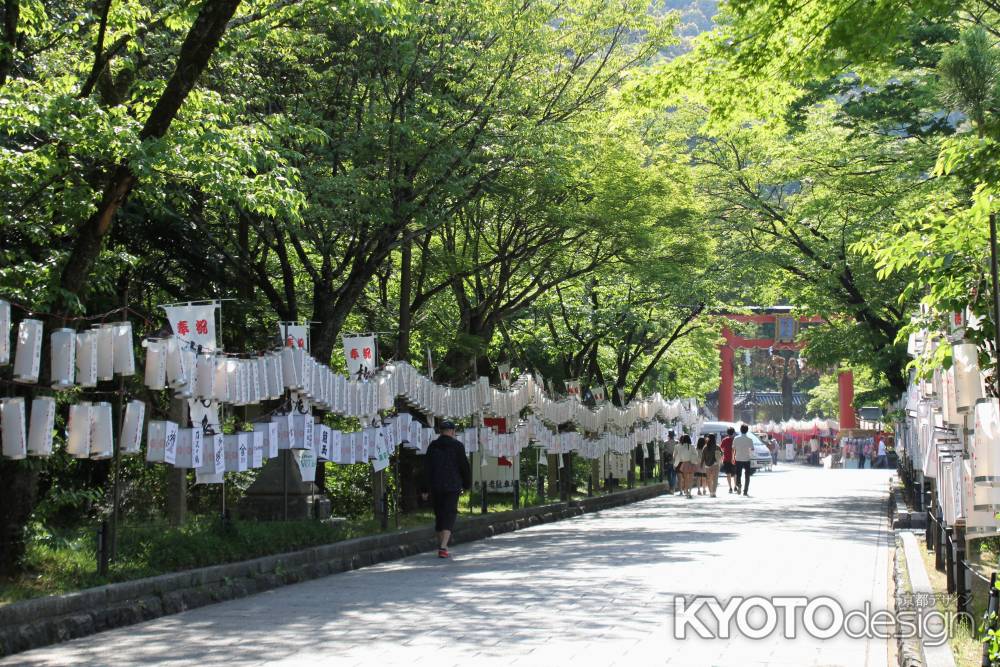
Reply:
x=785, y=328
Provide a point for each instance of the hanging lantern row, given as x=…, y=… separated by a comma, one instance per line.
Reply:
x=800, y=427
x=951, y=431
x=173, y=364
x=86, y=357
x=77, y=358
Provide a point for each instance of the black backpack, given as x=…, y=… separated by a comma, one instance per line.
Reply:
x=709, y=455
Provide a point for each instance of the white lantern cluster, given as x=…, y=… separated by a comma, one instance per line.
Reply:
x=251, y=380
x=951, y=433
x=247, y=381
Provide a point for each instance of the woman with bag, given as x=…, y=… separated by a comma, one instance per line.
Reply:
x=711, y=457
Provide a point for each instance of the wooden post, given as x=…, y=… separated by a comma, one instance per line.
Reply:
x=177, y=477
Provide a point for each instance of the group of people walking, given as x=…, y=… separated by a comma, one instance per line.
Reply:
x=688, y=466
x=698, y=465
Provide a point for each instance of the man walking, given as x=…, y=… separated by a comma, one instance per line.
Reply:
x=448, y=473
x=668, y=462
x=881, y=458
x=743, y=453
x=728, y=462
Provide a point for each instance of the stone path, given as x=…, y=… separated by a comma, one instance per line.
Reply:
x=594, y=590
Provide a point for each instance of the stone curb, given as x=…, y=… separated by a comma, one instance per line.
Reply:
x=49, y=620
x=908, y=649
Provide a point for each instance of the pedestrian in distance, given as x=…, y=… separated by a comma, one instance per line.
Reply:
x=711, y=457
x=699, y=472
x=743, y=454
x=668, y=462
x=448, y=474
x=728, y=462
x=684, y=458
x=880, y=459
x=861, y=456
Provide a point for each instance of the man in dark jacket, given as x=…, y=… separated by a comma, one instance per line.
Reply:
x=448, y=473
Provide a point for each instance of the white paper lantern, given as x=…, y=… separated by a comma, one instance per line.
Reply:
x=979, y=523
x=124, y=352
x=130, y=441
x=302, y=435
x=257, y=449
x=322, y=444
x=968, y=382
x=106, y=352
x=28, y=357
x=276, y=370
x=269, y=433
x=78, y=431
x=155, y=376
x=86, y=359
x=161, y=442
x=177, y=376
x=237, y=452
x=101, y=435
x=214, y=455
x=43, y=419
x=263, y=378
x=4, y=333
x=285, y=430
x=291, y=366
x=949, y=399
x=62, y=348
x=307, y=374
x=233, y=381
x=190, y=448
x=204, y=377
x=189, y=358
x=986, y=443
x=221, y=380
x=253, y=377
x=12, y=427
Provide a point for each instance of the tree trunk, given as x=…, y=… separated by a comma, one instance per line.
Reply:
x=177, y=477
x=11, y=16
x=787, y=395
x=199, y=45
x=552, y=469
x=20, y=484
x=405, y=297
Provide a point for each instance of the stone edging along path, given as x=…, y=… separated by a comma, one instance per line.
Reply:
x=49, y=620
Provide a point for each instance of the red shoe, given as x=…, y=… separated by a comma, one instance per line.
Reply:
x=443, y=553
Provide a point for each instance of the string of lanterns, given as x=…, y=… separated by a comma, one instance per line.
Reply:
x=799, y=427
x=211, y=378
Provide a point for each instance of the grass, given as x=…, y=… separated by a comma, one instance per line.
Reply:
x=66, y=560
x=968, y=650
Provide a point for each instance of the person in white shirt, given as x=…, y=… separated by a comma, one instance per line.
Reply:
x=743, y=453
x=880, y=459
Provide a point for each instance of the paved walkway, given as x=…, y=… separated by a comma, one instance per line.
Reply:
x=594, y=590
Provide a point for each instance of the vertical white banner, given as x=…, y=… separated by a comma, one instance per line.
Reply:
x=194, y=323
x=294, y=334
x=573, y=389
x=504, y=370
x=360, y=353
